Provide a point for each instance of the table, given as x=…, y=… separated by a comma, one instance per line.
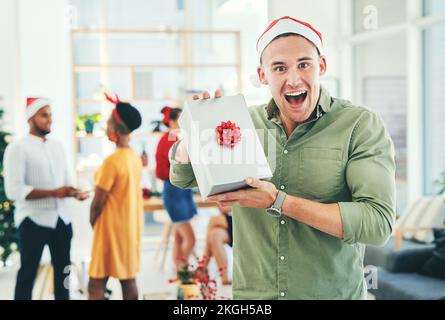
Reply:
x=155, y=203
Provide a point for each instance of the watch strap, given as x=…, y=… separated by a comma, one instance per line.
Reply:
x=279, y=200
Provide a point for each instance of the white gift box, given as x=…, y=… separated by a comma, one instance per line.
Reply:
x=220, y=168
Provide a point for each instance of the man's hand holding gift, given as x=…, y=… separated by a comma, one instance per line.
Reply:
x=181, y=155
x=261, y=195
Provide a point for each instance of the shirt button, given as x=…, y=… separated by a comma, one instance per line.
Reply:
x=282, y=187
x=282, y=294
x=282, y=258
x=283, y=222
x=286, y=152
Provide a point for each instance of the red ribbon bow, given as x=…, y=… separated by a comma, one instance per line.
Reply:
x=228, y=134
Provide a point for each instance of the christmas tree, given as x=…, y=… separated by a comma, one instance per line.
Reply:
x=8, y=236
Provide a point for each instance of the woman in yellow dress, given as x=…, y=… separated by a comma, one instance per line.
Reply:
x=117, y=211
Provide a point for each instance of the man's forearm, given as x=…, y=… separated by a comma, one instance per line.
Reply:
x=40, y=194
x=323, y=217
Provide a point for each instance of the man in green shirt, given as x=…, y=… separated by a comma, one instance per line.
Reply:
x=334, y=168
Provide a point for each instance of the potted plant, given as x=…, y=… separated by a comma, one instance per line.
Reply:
x=86, y=122
x=195, y=282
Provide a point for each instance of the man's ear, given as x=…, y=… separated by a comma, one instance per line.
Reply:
x=323, y=65
x=261, y=75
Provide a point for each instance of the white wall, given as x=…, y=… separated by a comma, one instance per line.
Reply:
x=384, y=57
x=44, y=42
x=9, y=68
x=324, y=15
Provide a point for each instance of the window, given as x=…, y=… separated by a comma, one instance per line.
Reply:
x=432, y=7
x=129, y=13
x=434, y=39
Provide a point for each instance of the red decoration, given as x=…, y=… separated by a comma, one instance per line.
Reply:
x=146, y=193
x=114, y=101
x=198, y=274
x=167, y=112
x=228, y=134
x=110, y=99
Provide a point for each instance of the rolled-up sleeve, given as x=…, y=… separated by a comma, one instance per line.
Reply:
x=14, y=171
x=181, y=174
x=370, y=175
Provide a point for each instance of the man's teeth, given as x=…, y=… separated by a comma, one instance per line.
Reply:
x=295, y=94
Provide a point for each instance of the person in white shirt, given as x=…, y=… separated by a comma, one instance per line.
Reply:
x=37, y=180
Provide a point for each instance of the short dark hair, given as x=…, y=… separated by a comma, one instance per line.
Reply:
x=130, y=116
x=285, y=35
x=174, y=113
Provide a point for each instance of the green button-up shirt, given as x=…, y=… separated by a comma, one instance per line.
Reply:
x=343, y=155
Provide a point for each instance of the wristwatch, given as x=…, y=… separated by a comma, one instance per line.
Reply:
x=275, y=209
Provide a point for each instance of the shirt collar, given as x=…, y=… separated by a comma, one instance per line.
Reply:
x=37, y=139
x=323, y=106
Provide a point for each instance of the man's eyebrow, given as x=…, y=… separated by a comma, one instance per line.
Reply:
x=304, y=59
x=275, y=63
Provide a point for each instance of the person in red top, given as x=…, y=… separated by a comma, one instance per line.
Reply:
x=178, y=202
x=164, y=146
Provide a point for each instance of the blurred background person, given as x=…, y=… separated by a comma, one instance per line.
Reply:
x=178, y=202
x=37, y=179
x=219, y=233
x=116, y=211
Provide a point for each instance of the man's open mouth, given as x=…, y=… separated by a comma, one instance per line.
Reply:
x=296, y=98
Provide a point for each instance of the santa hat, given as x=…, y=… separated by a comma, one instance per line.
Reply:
x=282, y=26
x=285, y=25
x=35, y=104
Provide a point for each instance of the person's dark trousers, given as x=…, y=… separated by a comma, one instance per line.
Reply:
x=32, y=238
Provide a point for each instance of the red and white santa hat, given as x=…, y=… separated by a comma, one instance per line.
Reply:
x=285, y=25
x=35, y=104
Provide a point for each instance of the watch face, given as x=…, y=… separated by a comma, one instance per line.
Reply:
x=274, y=212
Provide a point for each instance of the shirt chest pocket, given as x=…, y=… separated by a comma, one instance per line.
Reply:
x=321, y=172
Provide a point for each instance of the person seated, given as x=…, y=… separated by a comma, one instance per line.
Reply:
x=219, y=233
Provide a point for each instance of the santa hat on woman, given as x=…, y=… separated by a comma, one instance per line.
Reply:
x=282, y=26
x=34, y=104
